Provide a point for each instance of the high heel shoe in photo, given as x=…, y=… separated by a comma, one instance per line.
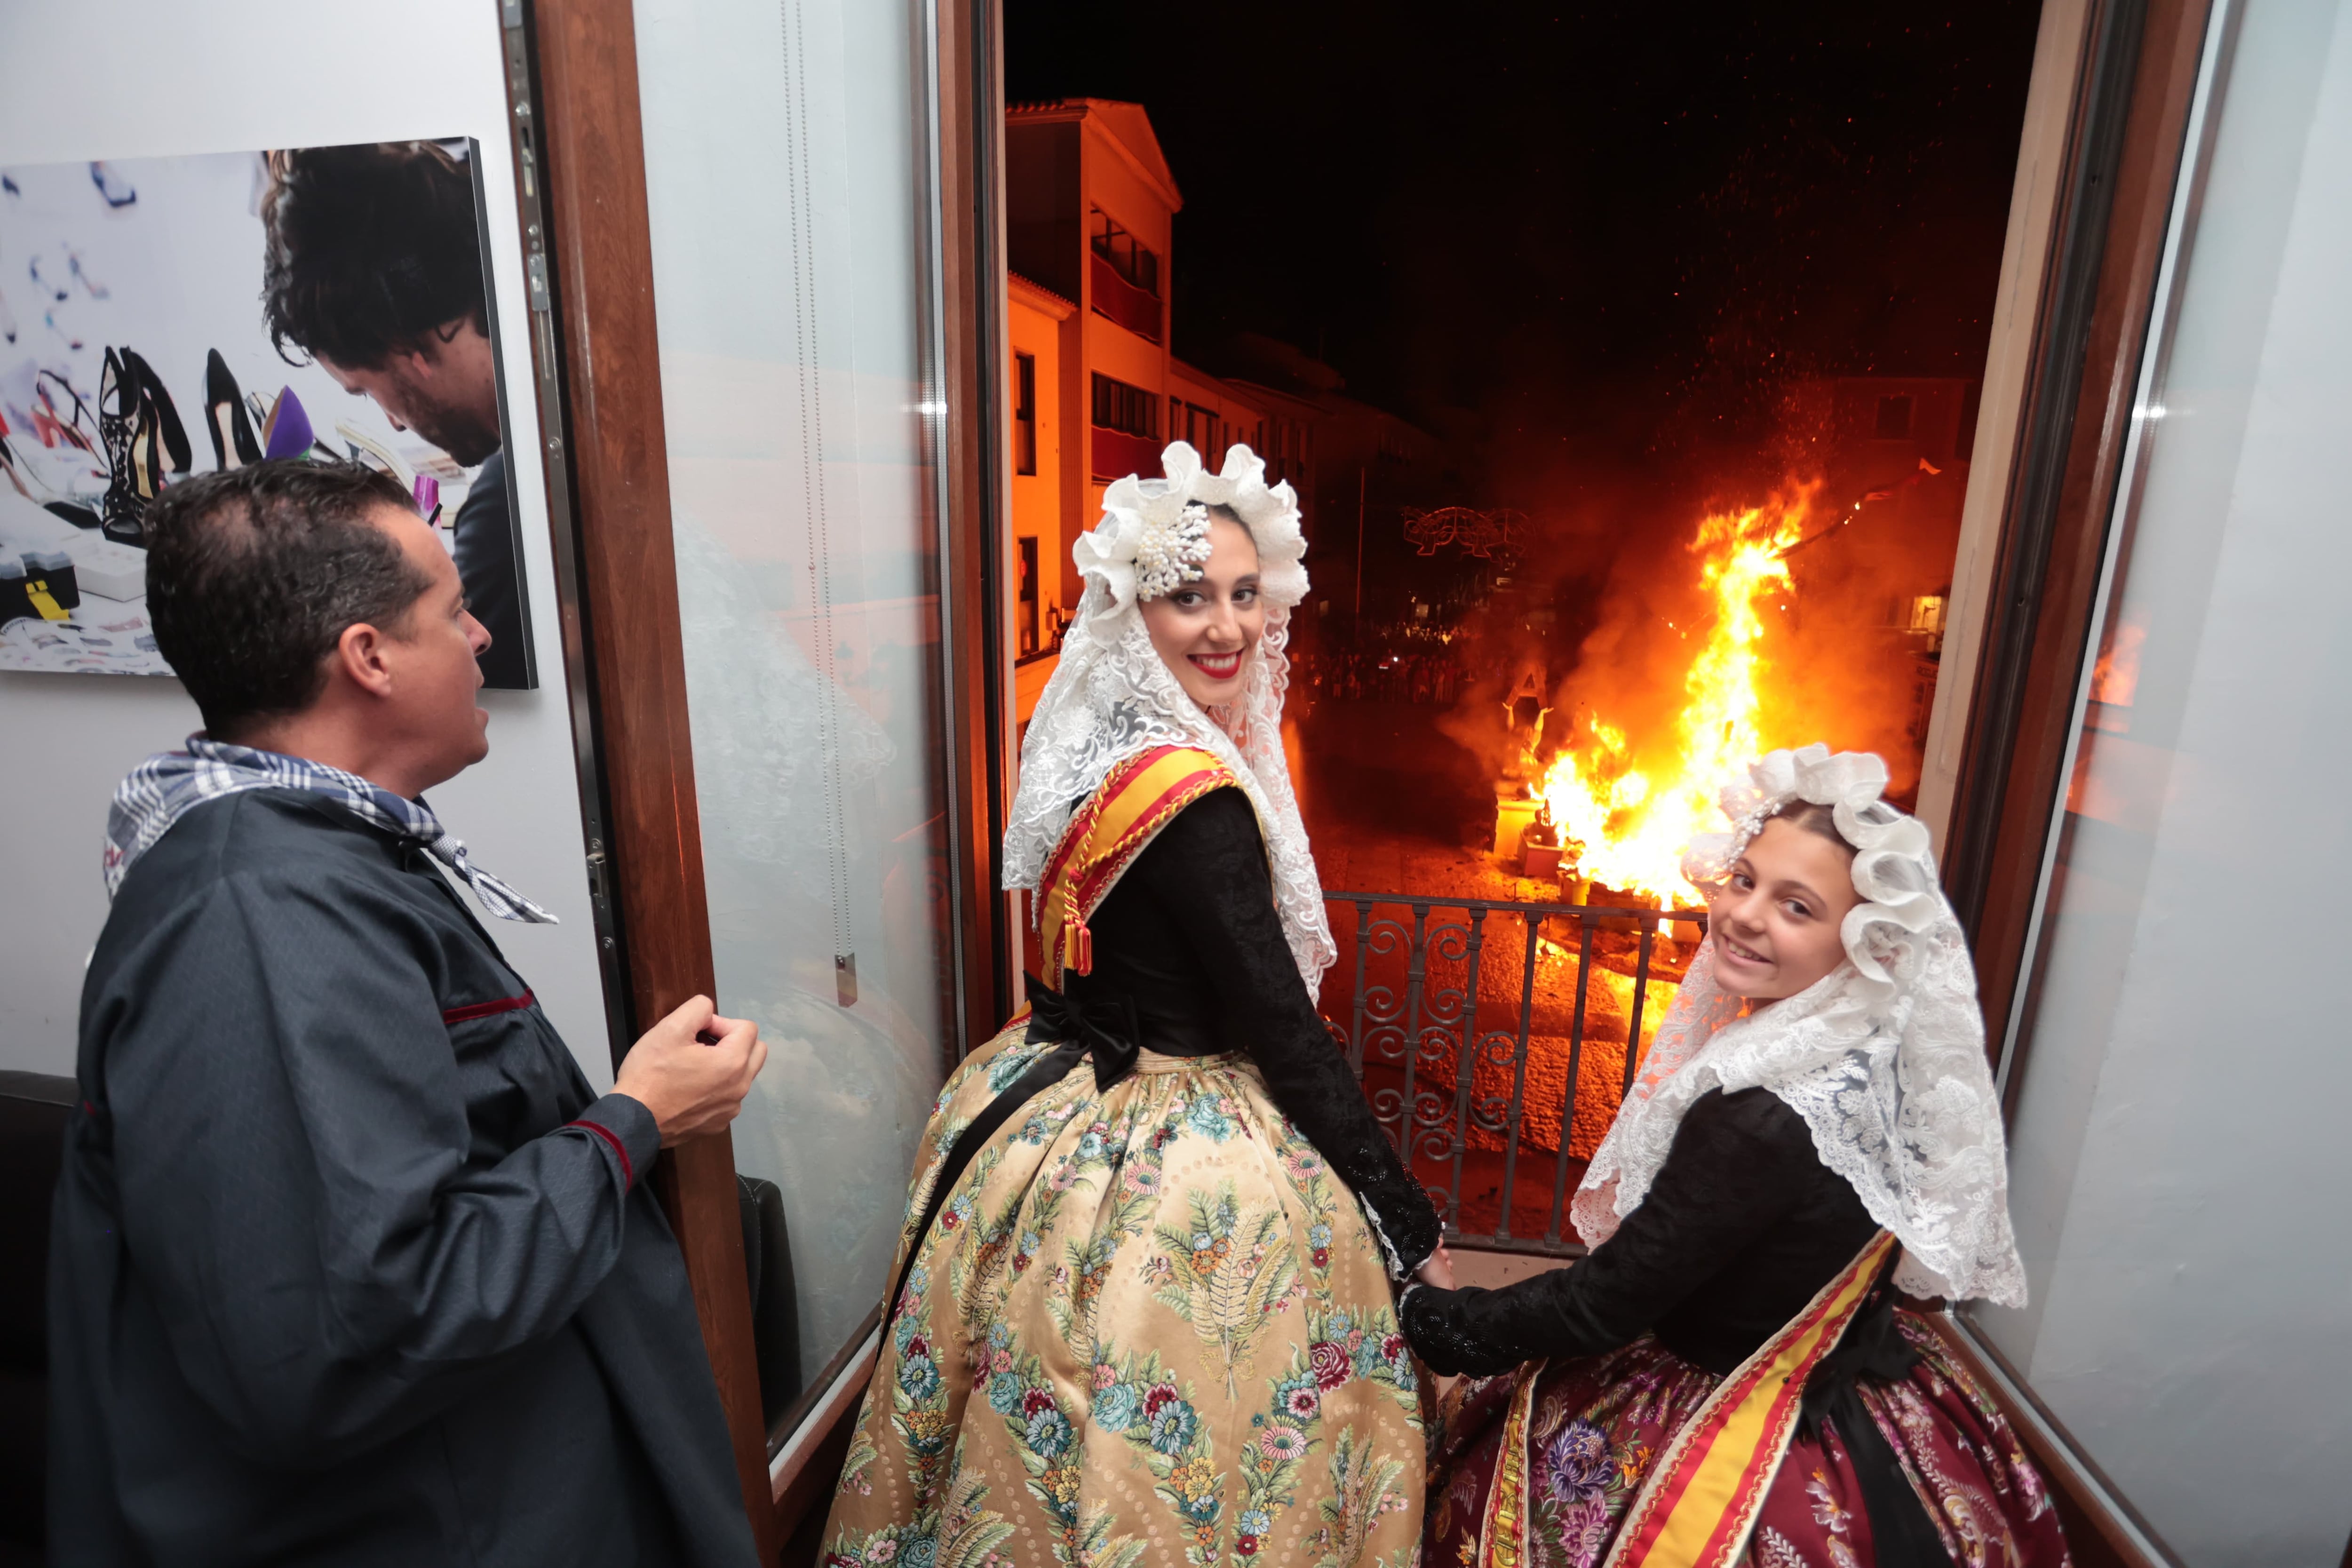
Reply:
x=233, y=443
x=176, y=451
x=366, y=449
x=287, y=432
x=118, y=407
x=126, y=423
x=147, y=459
x=27, y=484
x=118, y=191
x=60, y=416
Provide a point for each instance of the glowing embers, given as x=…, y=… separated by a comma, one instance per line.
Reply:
x=1624, y=809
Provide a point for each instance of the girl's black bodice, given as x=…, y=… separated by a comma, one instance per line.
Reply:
x=1741, y=1226
x=1190, y=938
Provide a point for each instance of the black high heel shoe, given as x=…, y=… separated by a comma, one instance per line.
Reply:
x=147, y=459
x=174, y=435
x=127, y=423
x=232, y=432
x=117, y=409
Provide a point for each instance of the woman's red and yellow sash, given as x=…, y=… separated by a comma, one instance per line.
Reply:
x=1137, y=798
x=1699, y=1502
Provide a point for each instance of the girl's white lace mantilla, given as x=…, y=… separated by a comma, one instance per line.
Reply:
x=1883, y=1058
x=1111, y=695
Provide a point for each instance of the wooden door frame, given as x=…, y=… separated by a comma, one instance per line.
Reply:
x=580, y=178
x=2125, y=156
x=581, y=183
x=974, y=494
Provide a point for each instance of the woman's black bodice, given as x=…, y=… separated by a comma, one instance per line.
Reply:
x=1190, y=938
x=1741, y=1226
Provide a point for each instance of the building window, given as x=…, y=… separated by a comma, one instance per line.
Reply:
x=1128, y=257
x=1199, y=428
x=1025, y=622
x=1895, y=418
x=1024, y=413
x=1129, y=410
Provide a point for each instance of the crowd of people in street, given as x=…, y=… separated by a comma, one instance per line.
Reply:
x=1425, y=674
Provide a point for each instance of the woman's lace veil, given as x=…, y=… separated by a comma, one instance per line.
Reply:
x=1883, y=1058
x=1110, y=696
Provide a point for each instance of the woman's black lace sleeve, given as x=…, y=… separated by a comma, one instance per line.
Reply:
x=1739, y=1162
x=1207, y=869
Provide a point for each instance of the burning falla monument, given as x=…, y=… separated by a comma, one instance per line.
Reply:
x=1813, y=611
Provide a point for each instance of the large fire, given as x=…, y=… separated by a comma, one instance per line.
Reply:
x=1632, y=808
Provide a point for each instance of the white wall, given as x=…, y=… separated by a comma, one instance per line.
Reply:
x=2179, y=1163
x=102, y=79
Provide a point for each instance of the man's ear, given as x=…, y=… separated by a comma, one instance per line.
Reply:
x=439, y=345
x=360, y=657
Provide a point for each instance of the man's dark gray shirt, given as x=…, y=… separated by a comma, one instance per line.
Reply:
x=350, y=1264
x=483, y=544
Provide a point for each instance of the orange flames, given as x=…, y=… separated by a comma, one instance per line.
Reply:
x=1635, y=809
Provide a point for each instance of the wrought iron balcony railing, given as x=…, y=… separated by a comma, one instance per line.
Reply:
x=1550, y=1007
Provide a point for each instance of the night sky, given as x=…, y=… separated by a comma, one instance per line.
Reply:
x=1580, y=246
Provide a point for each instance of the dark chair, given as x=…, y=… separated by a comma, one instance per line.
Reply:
x=32, y=1108
x=775, y=1299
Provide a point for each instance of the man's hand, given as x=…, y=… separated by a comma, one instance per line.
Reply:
x=1437, y=1269
x=692, y=1088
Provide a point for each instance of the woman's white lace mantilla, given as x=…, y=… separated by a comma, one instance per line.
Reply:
x=1112, y=695
x=1883, y=1058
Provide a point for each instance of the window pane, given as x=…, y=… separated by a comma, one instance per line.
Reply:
x=2179, y=1159
x=781, y=154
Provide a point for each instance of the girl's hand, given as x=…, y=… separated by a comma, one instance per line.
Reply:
x=1437, y=1269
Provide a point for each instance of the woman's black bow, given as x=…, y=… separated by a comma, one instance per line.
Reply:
x=1055, y=1015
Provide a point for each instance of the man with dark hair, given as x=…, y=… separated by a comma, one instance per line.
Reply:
x=374, y=270
x=350, y=1264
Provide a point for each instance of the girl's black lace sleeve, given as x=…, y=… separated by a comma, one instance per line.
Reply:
x=1207, y=869
x=1737, y=1164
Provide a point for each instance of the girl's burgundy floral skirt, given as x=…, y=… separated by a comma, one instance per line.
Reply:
x=1600, y=1422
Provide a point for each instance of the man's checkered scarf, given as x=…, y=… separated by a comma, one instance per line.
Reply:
x=164, y=789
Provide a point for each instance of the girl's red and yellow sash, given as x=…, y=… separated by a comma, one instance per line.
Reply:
x=1699, y=1502
x=1137, y=798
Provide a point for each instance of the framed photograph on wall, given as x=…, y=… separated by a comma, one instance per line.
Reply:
x=165, y=317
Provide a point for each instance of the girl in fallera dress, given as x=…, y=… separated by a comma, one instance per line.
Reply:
x=1730, y=1375
x=1144, y=1310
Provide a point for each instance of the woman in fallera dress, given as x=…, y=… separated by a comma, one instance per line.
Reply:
x=1730, y=1377
x=1143, y=1312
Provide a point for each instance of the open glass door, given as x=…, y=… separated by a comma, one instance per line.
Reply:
x=794, y=284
